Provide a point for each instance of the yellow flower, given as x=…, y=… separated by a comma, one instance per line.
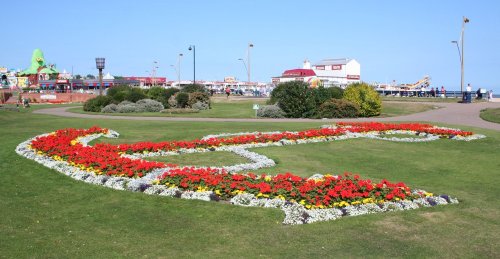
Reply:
x=267, y=178
x=156, y=181
x=217, y=192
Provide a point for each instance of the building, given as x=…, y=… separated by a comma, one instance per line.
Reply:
x=328, y=72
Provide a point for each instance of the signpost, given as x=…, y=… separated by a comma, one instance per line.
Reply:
x=256, y=108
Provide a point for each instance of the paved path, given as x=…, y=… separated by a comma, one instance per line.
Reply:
x=452, y=113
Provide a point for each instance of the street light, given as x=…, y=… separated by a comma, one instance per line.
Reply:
x=179, y=69
x=193, y=48
x=461, y=55
x=244, y=64
x=250, y=45
x=153, y=74
x=458, y=49
x=99, y=63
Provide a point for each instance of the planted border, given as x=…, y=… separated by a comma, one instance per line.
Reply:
x=304, y=200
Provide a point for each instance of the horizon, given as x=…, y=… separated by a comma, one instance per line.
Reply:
x=391, y=41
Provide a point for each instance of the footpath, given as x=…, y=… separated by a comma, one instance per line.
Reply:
x=450, y=113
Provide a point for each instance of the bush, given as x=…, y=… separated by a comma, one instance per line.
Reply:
x=322, y=94
x=200, y=106
x=110, y=108
x=96, y=104
x=338, y=108
x=149, y=105
x=120, y=93
x=366, y=97
x=191, y=88
x=180, y=110
x=182, y=99
x=170, y=92
x=295, y=98
x=127, y=108
x=199, y=97
x=270, y=111
x=135, y=94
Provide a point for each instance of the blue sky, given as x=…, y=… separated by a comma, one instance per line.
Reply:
x=392, y=40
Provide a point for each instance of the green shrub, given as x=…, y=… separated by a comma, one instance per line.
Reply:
x=170, y=92
x=180, y=110
x=295, y=98
x=97, y=103
x=191, y=88
x=270, y=111
x=110, y=108
x=135, y=94
x=121, y=93
x=199, y=97
x=338, y=108
x=323, y=94
x=366, y=97
x=149, y=105
x=182, y=99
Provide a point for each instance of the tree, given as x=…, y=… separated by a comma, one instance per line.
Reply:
x=295, y=98
x=89, y=76
x=366, y=97
x=78, y=77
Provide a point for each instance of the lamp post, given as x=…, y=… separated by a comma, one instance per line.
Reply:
x=193, y=48
x=99, y=63
x=461, y=55
x=179, y=69
x=153, y=74
x=246, y=69
x=250, y=45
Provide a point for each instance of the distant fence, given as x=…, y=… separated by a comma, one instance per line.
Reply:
x=447, y=94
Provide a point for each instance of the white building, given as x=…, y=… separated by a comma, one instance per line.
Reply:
x=330, y=72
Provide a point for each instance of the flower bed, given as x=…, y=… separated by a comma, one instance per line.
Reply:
x=304, y=200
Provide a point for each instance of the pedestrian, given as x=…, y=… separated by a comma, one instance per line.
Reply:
x=468, y=93
x=228, y=92
x=433, y=94
x=443, y=91
x=437, y=92
x=490, y=96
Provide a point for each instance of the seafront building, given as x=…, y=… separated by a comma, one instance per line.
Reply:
x=328, y=72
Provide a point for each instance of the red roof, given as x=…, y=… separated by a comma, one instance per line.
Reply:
x=298, y=72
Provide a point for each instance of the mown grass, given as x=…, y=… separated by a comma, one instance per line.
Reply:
x=391, y=109
x=491, y=114
x=46, y=214
x=219, y=158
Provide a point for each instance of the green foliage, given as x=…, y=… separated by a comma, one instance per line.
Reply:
x=97, y=103
x=199, y=97
x=159, y=94
x=182, y=99
x=322, y=94
x=295, y=98
x=170, y=91
x=338, y=108
x=135, y=95
x=191, y=88
x=366, y=97
x=270, y=111
x=122, y=93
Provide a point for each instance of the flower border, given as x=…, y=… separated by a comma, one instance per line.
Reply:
x=295, y=213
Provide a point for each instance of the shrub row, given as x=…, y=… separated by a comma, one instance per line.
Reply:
x=297, y=100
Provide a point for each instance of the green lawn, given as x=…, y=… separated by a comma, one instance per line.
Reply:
x=241, y=108
x=391, y=109
x=491, y=114
x=46, y=214
x=219, y=158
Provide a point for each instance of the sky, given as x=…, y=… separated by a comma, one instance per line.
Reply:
x=392, y=40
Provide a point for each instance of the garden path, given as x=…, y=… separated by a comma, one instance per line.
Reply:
x=451, y=113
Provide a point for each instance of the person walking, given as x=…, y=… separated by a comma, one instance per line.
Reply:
x=468, y=93
x=443, y=91
x=228, y=92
